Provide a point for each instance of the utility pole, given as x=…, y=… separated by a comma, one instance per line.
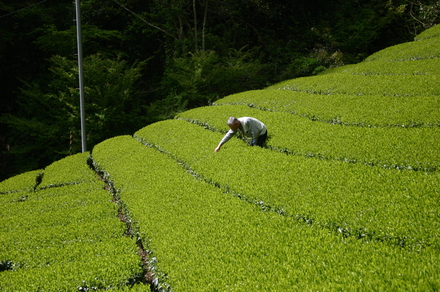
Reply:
x=80, y=76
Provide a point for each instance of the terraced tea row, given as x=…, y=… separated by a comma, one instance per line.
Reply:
x=361, y=111
x=429, y=33
x=390, y=205
x=399, y=73
x=63, y=238
x=427, y=48
x=410, y=148
x=206, y=239
x=411, y=67
x=337, y=83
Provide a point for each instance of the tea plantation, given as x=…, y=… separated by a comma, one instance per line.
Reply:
x=345, y=196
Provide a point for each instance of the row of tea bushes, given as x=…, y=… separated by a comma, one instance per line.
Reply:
x=248, y=218
x=429, y=33
x=385, y=85
x=394, y=71
x=350, y=110
x=413, y=148
x=360, y=200
x=56, y=174
x=380, y=67
x=64, y=234
x=204, y=238
x=24, y=182
x=427, y=48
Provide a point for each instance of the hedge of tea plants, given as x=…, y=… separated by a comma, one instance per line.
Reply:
x=203, y=235
x=426, y=46
x=24, y=182
x=389, y=147
x=60, y=232
x=429, y=33
x=376, y=92
x=351, y=110
x=344, y=196
x=338, y=83
x=380, y=203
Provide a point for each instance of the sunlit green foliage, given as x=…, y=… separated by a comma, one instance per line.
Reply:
x=403, y=85
x=26, y=181
x=415, y=148
x=56, y=174
x=428, y=48
x=205, y=238
x=333, y=193
x=378, y=67
x=402, y=78
x=365, y=110
x=429, y=33
x=64, y=237
x=344, y=196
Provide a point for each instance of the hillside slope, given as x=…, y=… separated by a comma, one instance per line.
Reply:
x=344, y=196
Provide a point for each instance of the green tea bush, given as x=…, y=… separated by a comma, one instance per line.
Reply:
x=429, y=33
x=337, y=83
x=415, y=148
x=23, y=182
x=65, y=236
x=387, y=73
x=351, y=110
x=204, y=238
x=426, y=48
x=382, y=203
x=78, y=171
x=408, y=67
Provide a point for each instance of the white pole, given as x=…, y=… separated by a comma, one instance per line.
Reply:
x=80, y=75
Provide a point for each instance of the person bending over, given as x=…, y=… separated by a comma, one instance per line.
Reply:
x=249, y=127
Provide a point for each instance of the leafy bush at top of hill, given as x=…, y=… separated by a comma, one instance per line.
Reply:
x=56, y=175
x=380, y=67
x=337, y=83
x=429, y=33
x=428, y=48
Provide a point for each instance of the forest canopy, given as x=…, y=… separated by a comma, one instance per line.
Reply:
x=145, y=61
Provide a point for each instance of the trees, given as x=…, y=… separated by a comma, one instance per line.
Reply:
x=47, y=125
x=187, y=53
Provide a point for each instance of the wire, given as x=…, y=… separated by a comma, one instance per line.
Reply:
x=22, y=9
x=141, y=18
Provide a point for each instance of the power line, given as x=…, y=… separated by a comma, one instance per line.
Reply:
x=143, y=19
x=13, y=12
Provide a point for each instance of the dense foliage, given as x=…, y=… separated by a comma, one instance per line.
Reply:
x=344, y=195
x=174, y=55
x=60, y=232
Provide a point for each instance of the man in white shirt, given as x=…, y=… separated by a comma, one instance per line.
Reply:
x=249, y=127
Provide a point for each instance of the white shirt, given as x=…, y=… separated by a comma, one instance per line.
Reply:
x=249, y=127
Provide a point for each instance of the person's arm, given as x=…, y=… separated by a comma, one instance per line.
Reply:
x=225, y=139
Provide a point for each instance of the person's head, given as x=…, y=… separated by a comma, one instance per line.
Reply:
x=233, y=123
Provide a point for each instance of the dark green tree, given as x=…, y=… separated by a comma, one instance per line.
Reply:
x=47, y=126
x=197, y=51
